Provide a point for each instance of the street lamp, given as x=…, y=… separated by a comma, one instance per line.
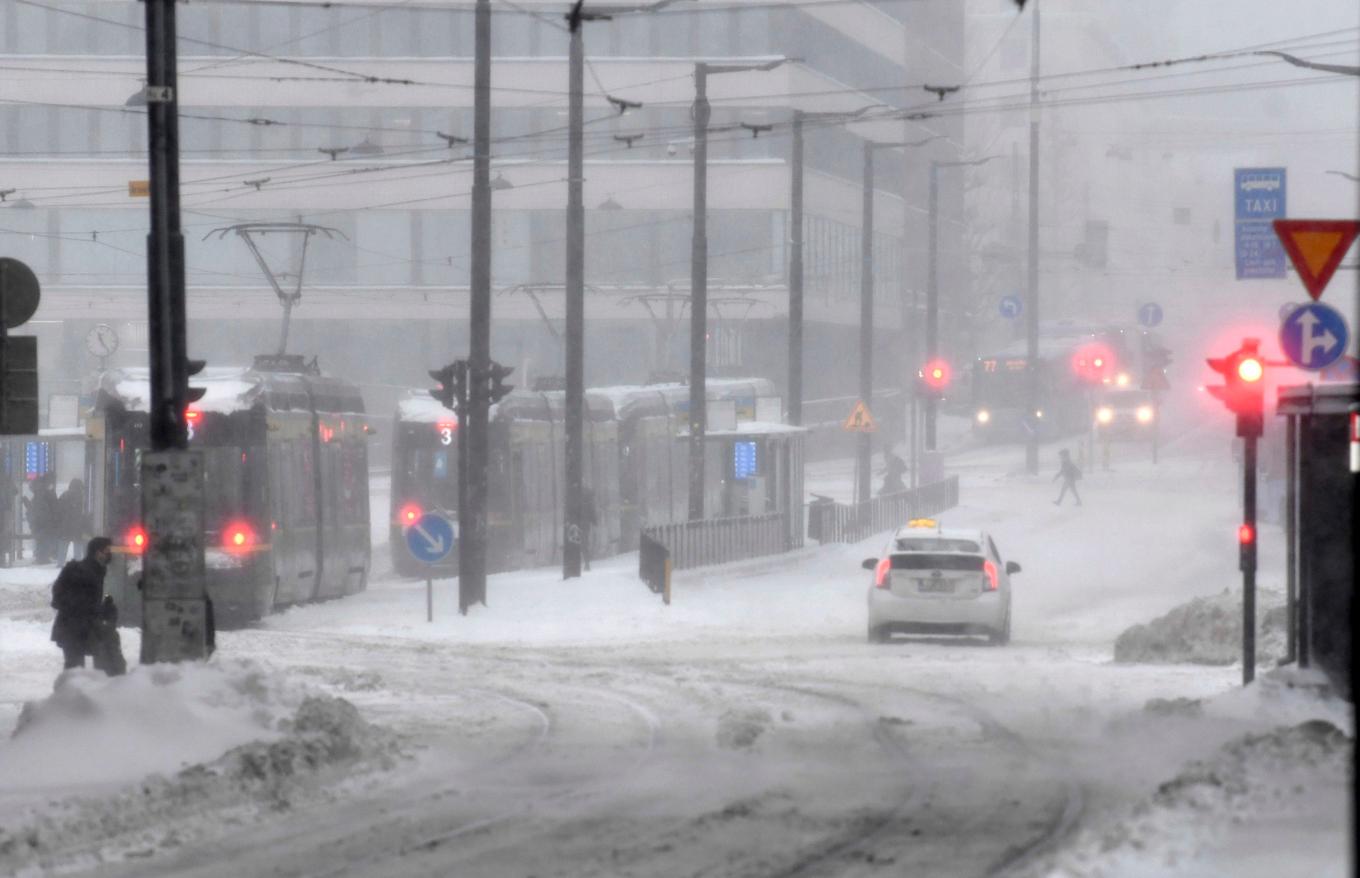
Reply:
x=863, y=456
x=698, y=306
x=933, y=288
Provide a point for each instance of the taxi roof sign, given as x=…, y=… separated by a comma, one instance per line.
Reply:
x=923, y=522
x=1316, y=248
x=860, y=420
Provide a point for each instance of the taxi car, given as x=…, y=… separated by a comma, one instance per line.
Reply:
x=937, y=580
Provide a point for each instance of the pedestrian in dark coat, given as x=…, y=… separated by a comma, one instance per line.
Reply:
x=1069, y=473
x=42, y=519
x=893, y=470
x=84, y=617
x=72, y=522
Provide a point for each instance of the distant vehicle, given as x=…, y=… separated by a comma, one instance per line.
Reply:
x=1125, y=413
x=1065, y=390
x=936, y=580
x=285, y=458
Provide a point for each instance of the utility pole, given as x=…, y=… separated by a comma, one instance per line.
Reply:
x=796, y=275
x=698, y=305
x=698, y=301
x=1031, y=417
x=863, y=455
x=576, y=308
x=174, y=618
x=472, y=545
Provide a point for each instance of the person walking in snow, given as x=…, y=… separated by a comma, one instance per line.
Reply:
x=893, y=470
x=1069, y=473
x=85, y=618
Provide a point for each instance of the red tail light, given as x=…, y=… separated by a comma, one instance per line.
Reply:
x=881, y=573
x=135, y=539
x=990, y=569
x=409, y=514
x=239, y=536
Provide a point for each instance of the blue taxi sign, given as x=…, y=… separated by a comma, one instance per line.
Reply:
x=431, y=538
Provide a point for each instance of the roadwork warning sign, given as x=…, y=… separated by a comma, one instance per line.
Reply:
x=860, y=421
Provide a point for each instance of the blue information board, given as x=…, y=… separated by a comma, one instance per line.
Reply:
x=1259, y=196
x=36, y=459
x=744, y=461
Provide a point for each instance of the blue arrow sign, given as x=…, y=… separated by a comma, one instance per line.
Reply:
x=1010, y=307
x=431, y=538
x=1150, y=314
x=1313, y=336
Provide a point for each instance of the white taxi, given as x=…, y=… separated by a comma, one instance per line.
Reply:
x=937, y=580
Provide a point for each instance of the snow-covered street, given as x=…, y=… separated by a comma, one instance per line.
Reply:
x=583, y=728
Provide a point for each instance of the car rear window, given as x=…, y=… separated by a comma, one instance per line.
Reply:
x=936, y=544
x=934, y=561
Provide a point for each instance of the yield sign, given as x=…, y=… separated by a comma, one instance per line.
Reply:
x=860, y=421
x=1316, y=247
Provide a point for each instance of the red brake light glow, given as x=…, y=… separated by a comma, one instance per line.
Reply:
x=238, y=536
x=881, y=573
x=409, y=514
x=1246, y=535
x=136, y=539
x=990, y=569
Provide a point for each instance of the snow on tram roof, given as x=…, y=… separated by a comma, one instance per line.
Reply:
x=229, y=389
x=421, y=408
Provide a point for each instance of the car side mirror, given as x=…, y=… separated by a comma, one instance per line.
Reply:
x=1012, y=567
x=869, y=563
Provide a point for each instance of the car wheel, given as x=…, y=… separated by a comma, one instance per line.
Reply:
x=878, y=634
x=1002, y=637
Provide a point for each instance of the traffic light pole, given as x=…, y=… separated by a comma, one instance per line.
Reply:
x=1032, y=270
x=698, y=301
x=863, y=456
x=472, y=528
x=1248, y=562
x=933, y=301
x=796, y=275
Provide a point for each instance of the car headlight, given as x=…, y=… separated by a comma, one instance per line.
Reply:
x=1145, y=414
x=1104, y=414
x=983, y=416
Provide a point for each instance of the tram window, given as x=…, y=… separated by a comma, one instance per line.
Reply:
x=306, y=486
x=441, y=465
x=351, y=484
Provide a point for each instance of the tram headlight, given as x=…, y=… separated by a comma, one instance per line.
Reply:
x=1104, y=415
x=984, y=416
x=1145, y=414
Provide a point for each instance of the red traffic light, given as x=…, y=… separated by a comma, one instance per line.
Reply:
x=1251, y=369
x=936, y=374
x=1246, y=535
x=1243, y=390
x=1094, y=363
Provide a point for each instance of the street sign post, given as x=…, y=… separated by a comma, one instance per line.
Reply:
x=1313, y=336
x=1316, y=248
x=1258, y=198
x=1010, y=307
x=430, y=540
x=1150, y=314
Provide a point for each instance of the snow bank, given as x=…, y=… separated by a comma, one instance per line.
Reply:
x=95, y=729
x=1252, y=779
x=1207, y=631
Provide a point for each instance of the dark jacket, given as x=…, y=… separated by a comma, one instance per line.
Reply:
x=42, y=510
x=78, y=597
x=72, y=522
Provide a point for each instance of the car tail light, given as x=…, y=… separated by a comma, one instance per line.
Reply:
x=881, y=573
x=990, y=569
x=136, y=539
x=409, y=514
x=238, y=536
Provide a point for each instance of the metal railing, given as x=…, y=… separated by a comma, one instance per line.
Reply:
x=832, y=522
x=720, y=540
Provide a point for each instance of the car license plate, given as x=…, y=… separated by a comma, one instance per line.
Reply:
x=935, y=586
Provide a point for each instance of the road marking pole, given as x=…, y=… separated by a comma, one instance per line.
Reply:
x=429, y=599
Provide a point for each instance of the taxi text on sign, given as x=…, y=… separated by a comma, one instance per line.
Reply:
x=860, y=421
x=1316, y=248
x=1259, y=196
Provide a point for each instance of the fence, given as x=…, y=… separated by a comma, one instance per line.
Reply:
x=719, y=540
x=832, y=522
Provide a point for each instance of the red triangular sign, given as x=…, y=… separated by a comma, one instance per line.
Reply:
x=1316, y=248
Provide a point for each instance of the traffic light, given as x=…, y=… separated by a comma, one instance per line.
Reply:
x=935, y=377
x=193, y=367
x=19, y=386
x=1093, y=363
x=496, y=387
x=1243, y=392
x=452, y=389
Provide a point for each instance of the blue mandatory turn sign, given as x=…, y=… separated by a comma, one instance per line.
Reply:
x=1314, y=336
x=1010, y=307
x=1150, y=314
x=431, y=538
x=1258, y=198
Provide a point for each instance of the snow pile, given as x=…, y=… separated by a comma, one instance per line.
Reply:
x=95, y=729
x=1250, y=780
x=323, y=740
x=1206, y=631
